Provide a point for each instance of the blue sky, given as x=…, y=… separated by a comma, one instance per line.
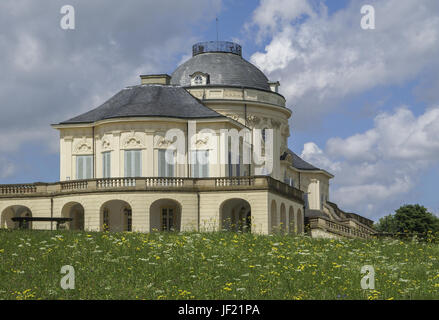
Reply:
x=364, y=102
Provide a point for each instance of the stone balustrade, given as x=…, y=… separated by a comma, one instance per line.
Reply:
x=242, y=94
x=18, y=189
x=152, y=184
x=165, y=182
x=74, y=185
x=114, y=183
x=339, y=228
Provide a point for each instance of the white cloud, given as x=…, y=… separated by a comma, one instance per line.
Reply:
x=375, y=170
x=312, y=153
x=49, y=75
x=326, y=58
x=398, y=136
x=271, y=15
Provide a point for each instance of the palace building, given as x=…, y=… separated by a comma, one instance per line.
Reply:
x=121, y=168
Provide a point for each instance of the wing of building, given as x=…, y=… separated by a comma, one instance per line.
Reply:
x=202, y=149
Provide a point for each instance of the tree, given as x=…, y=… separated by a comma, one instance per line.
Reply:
x=386, y=224
x=411, y=219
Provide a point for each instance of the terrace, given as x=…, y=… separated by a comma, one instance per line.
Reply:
x=151, y=184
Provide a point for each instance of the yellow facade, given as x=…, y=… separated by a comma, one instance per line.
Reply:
x=248, y=202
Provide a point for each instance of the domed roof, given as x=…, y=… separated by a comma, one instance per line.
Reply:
x=223, y=62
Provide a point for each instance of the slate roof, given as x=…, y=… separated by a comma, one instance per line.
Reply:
x=148, y=101
x=298, y=162
x=224, y=69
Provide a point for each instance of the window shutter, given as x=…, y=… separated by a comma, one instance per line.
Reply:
x=162, y=163
x=193, y=159
x=171, y=165
x=106, y=156
x=238, y=167
x=79, y=167
x=127, y=163
x=230, y=164
x=108, y=164
x=89, y=167
x=205, y=167
x=137, y=163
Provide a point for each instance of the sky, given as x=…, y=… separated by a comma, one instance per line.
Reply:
x=365, y=102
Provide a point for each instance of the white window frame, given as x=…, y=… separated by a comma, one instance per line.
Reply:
x=165, y=169
x=106, y=164
x=84, y=167
x=130, y=169
x=198, y=169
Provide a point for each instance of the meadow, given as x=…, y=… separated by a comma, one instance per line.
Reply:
x=219, y=265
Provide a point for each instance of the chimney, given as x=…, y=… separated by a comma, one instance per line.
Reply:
x=163, y=79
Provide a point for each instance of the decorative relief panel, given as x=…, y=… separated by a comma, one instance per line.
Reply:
x=106, y=144
x=161, y=142
x=275, y=124
x=202, y=142
x=83, y=146
x=215, y=94
x=233, y=94
x=233, y=116
x=253, y=121
x=285, y=129
x=133, y=140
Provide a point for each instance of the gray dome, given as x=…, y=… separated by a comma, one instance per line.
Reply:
x=223, y=68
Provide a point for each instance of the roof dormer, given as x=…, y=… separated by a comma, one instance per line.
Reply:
x=199, y=79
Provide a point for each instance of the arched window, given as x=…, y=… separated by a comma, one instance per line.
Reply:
x=198, y=80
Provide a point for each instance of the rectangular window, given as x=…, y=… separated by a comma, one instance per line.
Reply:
x=133, y=163
x=166, y=168
x=234, y=169
x=84, y=167
x=106, y=164
x=200, y=163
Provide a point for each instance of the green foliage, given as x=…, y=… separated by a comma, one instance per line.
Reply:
x=216, y=265
x=386, y=224
x=409, y=219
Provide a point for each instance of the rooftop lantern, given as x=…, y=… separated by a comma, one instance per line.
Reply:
x=216, y=46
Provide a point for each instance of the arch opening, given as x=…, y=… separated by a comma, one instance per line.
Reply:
x=291, y=220
x=235, y=215
x=75, y=211
x=116, y=215
x=15, y=211
x=165, y=215
x=283, y=219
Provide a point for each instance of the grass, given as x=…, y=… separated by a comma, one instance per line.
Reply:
x=218, y=265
